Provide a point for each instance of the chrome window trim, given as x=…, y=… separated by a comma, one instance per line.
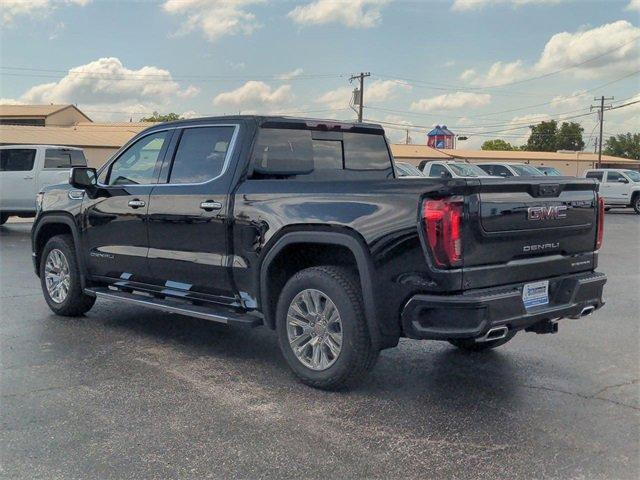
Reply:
x=227, y=158
x=125, y=147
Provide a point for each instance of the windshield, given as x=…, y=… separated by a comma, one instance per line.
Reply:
x=406, y=170
x=467, y=170
x=550, y=171
x=633, y=175
x=527, y=171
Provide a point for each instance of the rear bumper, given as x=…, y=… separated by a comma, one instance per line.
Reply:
x=472, y=314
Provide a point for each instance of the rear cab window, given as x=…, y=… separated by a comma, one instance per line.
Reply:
x=17, y=159
x=308, y=154
x=64, y=158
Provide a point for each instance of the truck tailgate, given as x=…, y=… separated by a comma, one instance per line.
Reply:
x=522, y=229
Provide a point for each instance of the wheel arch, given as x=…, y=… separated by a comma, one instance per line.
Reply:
x=345, y=239
x=50, y=225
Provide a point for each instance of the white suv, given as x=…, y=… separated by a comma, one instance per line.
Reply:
x=26, y=169
x=451, y=170
x=618, y=187
x=510, y=169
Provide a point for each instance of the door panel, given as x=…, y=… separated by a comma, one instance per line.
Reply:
x=115, y=215
x=115, y=232
x=17, y=179
x=614, y=191
x=188, y=217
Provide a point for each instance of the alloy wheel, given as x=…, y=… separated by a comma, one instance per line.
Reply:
x=314, y=329
x=56, y=275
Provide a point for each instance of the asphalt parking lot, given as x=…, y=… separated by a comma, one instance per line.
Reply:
x=131, y=393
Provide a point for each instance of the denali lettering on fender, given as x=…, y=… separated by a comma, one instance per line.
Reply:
x=552, y=212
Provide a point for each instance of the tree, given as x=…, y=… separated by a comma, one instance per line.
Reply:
x=569, y=137
x=626, y=145
x=543, y=137
x=497, y=144
x=156, y=117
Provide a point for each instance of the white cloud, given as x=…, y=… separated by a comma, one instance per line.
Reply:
x=501, y=73
x=10, y=9
x=564, y=49
x=336, y=99
x=608, y=49
x=468, y=74
x=292, y=74
x=106, y=87
x=466, y=5
x=396, y=134
x=190, y=114
x=634, y=5
x=214, y=18
x=383, y=90
x=449, y=63
x=576, y=99
x=452, y=101
x=377, y=91
x=351, y=13
x=254, y=97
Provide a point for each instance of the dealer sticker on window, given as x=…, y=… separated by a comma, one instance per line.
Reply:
x=535, y=294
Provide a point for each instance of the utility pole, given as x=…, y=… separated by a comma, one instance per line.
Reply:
x=360, y=97
x=601, y=109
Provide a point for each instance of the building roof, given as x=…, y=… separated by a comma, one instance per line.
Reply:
x=21, y=111
x=424, y=152
x=524, y=156
x=105, y=136
x=417, y=151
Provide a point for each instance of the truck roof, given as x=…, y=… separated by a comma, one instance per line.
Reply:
x=284, y=120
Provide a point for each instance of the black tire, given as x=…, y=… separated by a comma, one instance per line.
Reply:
x=3, y=218
x=76, y=302
x=635, y=203
x=470, y=345
x=357, y=355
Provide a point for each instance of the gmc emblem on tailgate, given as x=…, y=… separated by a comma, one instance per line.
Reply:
x=553, y=212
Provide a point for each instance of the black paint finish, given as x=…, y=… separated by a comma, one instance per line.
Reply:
x=218, y=255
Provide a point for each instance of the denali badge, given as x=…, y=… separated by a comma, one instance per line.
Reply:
x=552, y=212
x=539, y=247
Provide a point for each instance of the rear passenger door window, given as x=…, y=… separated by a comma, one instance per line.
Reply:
x=500, y=171
x=597, y=175
x=201, y=154
x=63, y=158
x=17, y=160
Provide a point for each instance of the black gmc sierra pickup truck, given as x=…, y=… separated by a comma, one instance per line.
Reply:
x=302, y=226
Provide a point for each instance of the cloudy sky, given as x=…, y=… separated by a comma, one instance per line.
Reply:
x=485, y=68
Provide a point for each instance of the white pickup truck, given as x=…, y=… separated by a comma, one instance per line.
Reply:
x=27, y=169
x=619, y=187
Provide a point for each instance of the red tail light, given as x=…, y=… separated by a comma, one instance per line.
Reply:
x=443, y=229
x=600, y=228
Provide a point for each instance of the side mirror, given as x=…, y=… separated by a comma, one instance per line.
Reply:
x=84, y=178
x=623, y=180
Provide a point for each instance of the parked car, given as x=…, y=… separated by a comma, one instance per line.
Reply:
x=407, y=170
x=510, y=169
x=452, y=170
x=618, y=187
x=549, y=171
x=26, y=169
x=300, y=225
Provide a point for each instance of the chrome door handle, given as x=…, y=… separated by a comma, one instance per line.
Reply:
x=210, y=205
x=28, y=178
x=136, y=203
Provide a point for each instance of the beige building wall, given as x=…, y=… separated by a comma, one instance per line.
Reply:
x=64, y=118
x=97, y=156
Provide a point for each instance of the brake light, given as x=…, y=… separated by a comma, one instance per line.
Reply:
x=443, y=230
x=600, y=224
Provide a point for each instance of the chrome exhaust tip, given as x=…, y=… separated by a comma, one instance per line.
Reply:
x=587, y=311
x=496, y=333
